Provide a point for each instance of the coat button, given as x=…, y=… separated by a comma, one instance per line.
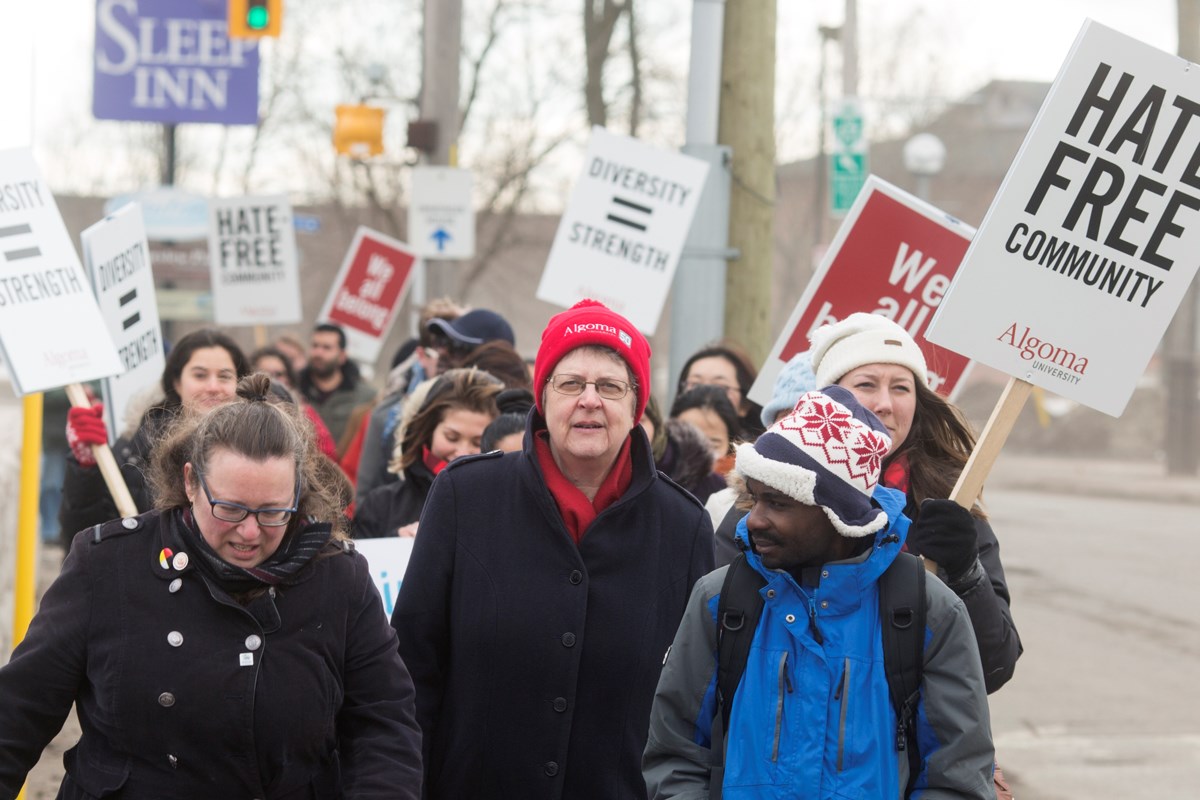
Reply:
x=173, y=761
x=568, y=639
x=174, y=638
x=129, y=523
x=253, y=642
x=576, y=577
x=166, y=699
x=824, y=604
x=790, y=618
x=175, y=585
x=550, y=768
x=770, y=592
x=824, y=573
x=560, y=704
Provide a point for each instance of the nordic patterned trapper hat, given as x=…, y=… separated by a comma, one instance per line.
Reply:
x=828, y=452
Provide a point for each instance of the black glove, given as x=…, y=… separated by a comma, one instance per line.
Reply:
x=945, y=532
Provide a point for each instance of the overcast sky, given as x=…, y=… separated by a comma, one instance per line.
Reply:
x=45, y=46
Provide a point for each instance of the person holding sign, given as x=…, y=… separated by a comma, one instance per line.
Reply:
x=201, y=372
x=879, y=362
x=229, y=643
x=546, y=585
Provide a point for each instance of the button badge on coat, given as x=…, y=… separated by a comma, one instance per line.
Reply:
x=180, y=561
x=175, y=638
x=175, y=585
x=253, y=642
x=164, y=557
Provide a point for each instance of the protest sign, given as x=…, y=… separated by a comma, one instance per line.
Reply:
x=1088, y=247
x=51, y=331
x=368, y=290
x=117, y=257
x=894, y=255
x=620, y=238
x=252, y=259
x=388, y=561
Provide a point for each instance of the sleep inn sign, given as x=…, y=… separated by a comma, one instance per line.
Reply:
x=172, y=61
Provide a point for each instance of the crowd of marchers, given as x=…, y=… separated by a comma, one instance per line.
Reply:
x=603, y=600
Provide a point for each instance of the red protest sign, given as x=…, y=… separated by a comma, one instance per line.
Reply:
x=366, y=295
x=894, y=255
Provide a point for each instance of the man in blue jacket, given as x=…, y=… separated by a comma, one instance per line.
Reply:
x=812, y=716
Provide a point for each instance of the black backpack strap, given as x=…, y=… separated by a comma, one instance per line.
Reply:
x=902, y=618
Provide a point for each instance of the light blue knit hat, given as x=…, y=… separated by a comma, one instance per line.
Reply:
x=793, y=380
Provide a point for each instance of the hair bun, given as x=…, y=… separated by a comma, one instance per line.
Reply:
x=254, y=388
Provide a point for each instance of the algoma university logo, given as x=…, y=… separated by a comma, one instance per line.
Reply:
x=1032, y=347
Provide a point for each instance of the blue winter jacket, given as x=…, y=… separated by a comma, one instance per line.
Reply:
x=812, y=716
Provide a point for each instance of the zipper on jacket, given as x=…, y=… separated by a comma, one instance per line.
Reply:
x=843, y=694
x=785, y=685
x=812, y=621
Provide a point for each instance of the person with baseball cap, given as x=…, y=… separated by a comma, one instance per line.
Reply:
x=882, y=365
x=811, y=715
x=546, y=584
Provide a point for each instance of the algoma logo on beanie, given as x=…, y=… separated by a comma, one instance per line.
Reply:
x=589, y=327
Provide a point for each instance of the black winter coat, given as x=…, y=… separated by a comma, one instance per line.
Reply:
x=393, y=505
x=183, y=693
x=536, y=659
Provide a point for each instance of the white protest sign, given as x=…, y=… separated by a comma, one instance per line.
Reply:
x=388, y=560
x=252, y=257
x=51, y=331
x=117, y=257
x=441, y=216
x=620, y=238
x=1093, y=238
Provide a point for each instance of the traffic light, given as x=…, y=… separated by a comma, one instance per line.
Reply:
x=358, y=131
x=253, y=19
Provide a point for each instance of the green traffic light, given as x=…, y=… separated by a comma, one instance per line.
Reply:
x=257, y=17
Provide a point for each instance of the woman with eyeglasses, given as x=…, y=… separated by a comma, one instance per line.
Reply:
x=448, y=424
x=229, y=643
x=727, y=366
x=547, y=584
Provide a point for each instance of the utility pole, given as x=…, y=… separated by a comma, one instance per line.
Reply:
x=442, y=43
x=1182, y=434
x=747, y=126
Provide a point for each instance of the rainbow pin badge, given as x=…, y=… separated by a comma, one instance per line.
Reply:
x=164, y=557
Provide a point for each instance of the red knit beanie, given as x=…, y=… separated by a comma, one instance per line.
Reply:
x=590, y=322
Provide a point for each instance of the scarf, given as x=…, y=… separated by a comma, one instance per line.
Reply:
x=895, y=475
x=577, y=511
x=295, y=551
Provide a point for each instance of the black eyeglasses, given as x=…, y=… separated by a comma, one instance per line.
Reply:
x=574, y=385
x=236, y=512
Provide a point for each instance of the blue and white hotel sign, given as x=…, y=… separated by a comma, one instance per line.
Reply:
x=172, y=61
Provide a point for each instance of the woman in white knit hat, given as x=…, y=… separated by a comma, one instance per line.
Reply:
x=879, y=362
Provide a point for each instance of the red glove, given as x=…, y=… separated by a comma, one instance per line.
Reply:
x=85, y=427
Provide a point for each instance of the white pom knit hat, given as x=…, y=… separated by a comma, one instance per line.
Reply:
x=861, y=339
x=828, y=452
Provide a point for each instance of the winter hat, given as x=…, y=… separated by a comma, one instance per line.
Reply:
x=826, y=453
x=474, y=328
x=863, y=339
x=793, y=380
x=590, y=322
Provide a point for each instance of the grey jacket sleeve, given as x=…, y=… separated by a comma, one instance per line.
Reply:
x=984, y=591
x=677, y=759
x=953, y=712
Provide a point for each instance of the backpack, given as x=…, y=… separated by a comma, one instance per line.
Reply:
x=901, y=611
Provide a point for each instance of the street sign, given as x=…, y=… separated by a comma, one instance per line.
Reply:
x=848, y=162
x=368, y=290
x=894, y=255
x=117, y=257
x=51, y=330
x=252, y=259
x=172, y=61
x=1091, y=242
x=170, y=214
x=441, y=215
x=620, y=237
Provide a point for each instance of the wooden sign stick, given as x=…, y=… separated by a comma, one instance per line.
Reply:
x=987, y=448
x=105, y=460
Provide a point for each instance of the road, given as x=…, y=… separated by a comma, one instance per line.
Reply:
x=1105, y=701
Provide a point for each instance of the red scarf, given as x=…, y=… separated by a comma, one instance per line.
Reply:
x=895, y=476
x=576, y=510
x=435, y=464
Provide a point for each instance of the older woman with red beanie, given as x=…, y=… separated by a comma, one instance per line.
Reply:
x=547, y=584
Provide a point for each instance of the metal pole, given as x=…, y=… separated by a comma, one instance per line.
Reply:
x=442, y=43
x=168, y=163
x=850, y=50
